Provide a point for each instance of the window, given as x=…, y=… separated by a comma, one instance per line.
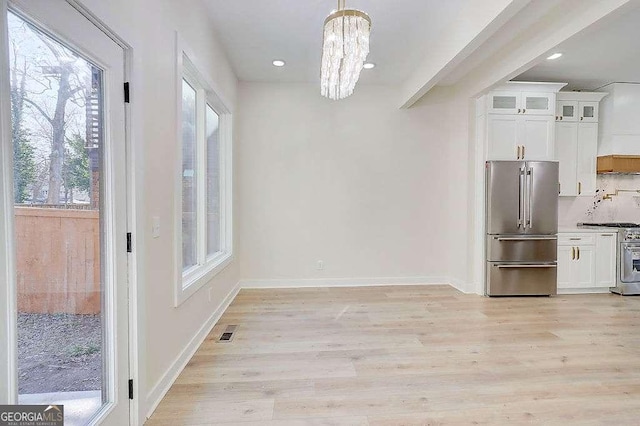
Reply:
x=205, y=176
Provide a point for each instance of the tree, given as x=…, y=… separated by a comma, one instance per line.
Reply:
x=76, y=173
x=24, y=168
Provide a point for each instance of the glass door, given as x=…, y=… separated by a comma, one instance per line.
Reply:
x=69, y=258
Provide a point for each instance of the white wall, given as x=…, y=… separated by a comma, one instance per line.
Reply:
x=149, y=27
x=358, y=184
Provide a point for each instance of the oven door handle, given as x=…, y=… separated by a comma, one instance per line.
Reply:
x=541, y=265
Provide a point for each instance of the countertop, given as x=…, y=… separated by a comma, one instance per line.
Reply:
x=586, y=230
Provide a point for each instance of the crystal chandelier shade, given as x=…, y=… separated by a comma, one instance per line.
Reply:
x=345, y=48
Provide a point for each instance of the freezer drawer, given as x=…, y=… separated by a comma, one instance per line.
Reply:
x=514, y=248
x=510, y=279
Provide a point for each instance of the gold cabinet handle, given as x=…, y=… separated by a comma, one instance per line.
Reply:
x=523, y=152
x=581, y=118
x=560, y=117
x=578, y=253
x=519, y=110
x=523, y=110
x=518, y=152
x=573, y=253
x=559, y=188
x=579, y=188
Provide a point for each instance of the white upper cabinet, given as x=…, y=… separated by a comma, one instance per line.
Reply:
x=567, y=111
x=589, y=112
x=512, y=102
x=536, y=135
x=586, y=160
x=538, y=103
x=520, y=121
x=503, y=102
x=502, y=137
x=576, y=141
x=566, y=152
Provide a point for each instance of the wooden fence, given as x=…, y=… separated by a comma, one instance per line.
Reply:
x=58, y=260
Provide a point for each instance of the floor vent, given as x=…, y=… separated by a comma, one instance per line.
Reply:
x=227, y=335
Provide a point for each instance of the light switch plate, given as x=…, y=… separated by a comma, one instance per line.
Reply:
x=155, y=227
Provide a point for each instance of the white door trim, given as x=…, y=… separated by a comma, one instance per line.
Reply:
x=8, y=303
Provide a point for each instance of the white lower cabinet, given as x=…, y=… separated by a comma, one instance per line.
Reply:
x=606, y=259
x=586, y=261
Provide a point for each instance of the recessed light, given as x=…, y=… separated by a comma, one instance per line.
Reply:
x=278, y=63
x=369, y=65
x=554, y=56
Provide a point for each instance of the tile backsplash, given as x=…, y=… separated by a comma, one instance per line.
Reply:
x=624, y=207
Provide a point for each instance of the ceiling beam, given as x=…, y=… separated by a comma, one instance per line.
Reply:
x=473, y=26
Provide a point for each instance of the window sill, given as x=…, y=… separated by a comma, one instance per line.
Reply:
x=196, y=278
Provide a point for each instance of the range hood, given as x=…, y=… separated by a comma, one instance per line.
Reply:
x=619, y=164
x=619, y=145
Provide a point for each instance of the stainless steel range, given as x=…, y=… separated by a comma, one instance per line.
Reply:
x=628, y=262
x=628, y=258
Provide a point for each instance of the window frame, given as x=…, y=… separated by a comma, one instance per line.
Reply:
x=190, y=280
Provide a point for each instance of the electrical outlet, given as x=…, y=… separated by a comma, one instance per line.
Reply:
x=320, y=265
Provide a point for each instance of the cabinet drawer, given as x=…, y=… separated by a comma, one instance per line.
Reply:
x=576, y=239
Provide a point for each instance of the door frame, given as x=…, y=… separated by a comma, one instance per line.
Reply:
x=8, y=297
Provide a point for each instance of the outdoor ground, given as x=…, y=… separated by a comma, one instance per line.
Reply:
x=58, y=353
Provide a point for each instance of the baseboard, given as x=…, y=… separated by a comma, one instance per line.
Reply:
x=592, y=290
x=162, y=387
x=344, y=282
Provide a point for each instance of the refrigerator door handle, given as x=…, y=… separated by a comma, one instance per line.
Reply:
x=541, y=265
x=521, y=185
x=529, y=196
x=551, y=238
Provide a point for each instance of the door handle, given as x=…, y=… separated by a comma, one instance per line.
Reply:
x=541, y=265
x=530, y=193
x=573, y=253
x=578, y=252
x=521, y=198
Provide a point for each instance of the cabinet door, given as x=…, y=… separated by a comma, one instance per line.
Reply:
x=502, y=137
x=606, y=245
x=538, y=103
x=536, y=134
x=587, y=158
x=566, y=142
x=589, y=112
x=567, y=111
x=585, y=267
x=504, y=102
x=565, y=263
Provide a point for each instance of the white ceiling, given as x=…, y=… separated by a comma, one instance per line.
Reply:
x=607, y=53
x=255, y=32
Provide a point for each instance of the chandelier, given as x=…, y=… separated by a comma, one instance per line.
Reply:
x=344, y=49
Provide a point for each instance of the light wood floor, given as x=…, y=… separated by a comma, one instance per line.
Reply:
x=415, y=355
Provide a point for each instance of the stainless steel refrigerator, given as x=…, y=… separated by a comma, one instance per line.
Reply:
x=522, y=228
